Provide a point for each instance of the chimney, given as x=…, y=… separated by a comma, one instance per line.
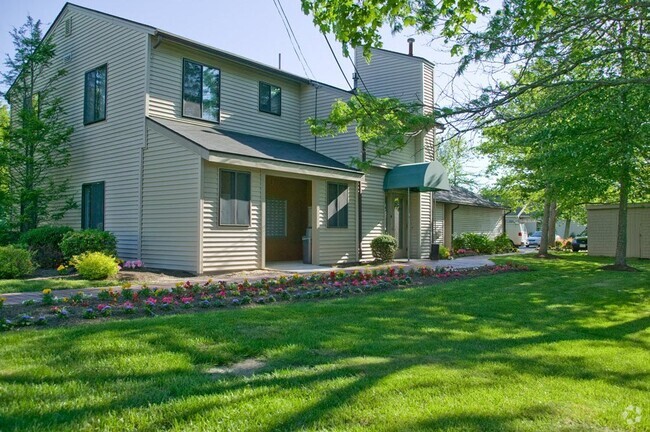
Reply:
x=410, y=41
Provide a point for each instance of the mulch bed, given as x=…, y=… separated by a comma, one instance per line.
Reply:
x=129, y=302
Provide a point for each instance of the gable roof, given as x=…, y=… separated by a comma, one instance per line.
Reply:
x=239, y=144
x=460, y=195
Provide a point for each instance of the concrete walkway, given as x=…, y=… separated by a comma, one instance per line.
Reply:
x=273, y=270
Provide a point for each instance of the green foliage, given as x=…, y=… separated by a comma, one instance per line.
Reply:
x=38, y=140
x=384, y=125
x=15, y=262
x=502, y=244
x=384, y=247
x=95, y=265
x=455, y=153
x=480, y=243
x=443, y=252
x=44, y=242
x=8, y=234
x=79, y=242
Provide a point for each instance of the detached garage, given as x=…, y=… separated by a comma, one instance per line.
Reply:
x=460, y=210
x=602, y=222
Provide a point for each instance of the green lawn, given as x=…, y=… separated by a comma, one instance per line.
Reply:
x=563, y=347
x=36, y=285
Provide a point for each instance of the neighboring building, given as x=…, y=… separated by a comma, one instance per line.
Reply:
x=602, y=223
x=201, y=160
x=460, y=210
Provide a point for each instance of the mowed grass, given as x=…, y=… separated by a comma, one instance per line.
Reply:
x=563, y=347
x=36, y=285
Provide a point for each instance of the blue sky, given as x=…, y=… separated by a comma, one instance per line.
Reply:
x=251, y=28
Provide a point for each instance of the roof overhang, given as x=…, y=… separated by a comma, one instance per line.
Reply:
x=418, y=177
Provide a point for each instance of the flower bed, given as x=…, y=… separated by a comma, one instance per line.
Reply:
x=127, y=302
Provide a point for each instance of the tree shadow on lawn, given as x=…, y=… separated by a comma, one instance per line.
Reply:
x=454, y=326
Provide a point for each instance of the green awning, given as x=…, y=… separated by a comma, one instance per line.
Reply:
x=420, y=177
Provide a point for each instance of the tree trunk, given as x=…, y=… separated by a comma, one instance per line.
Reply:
x=552, y=221
x=621, y=235
x=567, y=228
x=543, y=243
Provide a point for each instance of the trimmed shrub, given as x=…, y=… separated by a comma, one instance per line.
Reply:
x=79, y=242
x=15, y=262
x=443, y=252
x=95, y=265
x=480, y=243
x=502, y=244
x=44, y=242
x=384, y=247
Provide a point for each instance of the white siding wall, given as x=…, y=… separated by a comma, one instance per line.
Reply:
x=239, y=93
x=170, y=213
x=480, y=220
x=424, y=225
x=318, y=103
x=374, y=209
x=230, y=248
x=335, y=245
x=428, y=99
x=439, y=223
x=109, y=150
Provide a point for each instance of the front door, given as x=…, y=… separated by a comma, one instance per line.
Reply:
x=396, y=220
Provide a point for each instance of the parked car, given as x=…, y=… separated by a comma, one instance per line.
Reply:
x=535, y=239
x=517, y=233
x=579, y=242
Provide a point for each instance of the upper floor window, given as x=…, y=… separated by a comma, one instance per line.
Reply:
x=337, y=205
x=270, y=98
x=95, y=95
x=201, y=86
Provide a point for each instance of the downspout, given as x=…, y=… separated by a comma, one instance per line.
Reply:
x=360, y=207
x=503, y=223
x=452, y=223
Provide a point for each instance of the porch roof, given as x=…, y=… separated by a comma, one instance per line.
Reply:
x=238, y=144
x=420, y=177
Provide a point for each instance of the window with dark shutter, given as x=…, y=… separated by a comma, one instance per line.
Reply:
x=337, y=205
x=92, y=206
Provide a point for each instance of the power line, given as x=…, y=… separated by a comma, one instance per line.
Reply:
x=297, y=49
x=337, y=61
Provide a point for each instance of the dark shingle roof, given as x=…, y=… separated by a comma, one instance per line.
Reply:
x=235, y=143
x=459, y=195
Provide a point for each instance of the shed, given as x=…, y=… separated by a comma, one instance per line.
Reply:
x=602, y=222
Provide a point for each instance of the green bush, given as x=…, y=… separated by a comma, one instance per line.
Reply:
x=443, y=252
x=79, y=242
x=15, y=262
x=502, y=244
x=7, y=234
x=480, y=243
x=384, y=247
x=44, y=242
x=95, y=265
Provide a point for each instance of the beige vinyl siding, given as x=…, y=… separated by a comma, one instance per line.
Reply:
x=603, y=225
x=424, y=224
x=228, y=247
x=439, y=222
x=395, y=75
x=480, y=220
x=373, y=217
x=239, y=93
x=335, y=245
x=170, y=213
x=318, y=103
x=428, y=100
x=109, y=150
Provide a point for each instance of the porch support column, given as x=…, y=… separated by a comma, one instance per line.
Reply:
x=408, y=224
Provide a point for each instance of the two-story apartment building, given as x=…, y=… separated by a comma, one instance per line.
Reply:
x=201, y=160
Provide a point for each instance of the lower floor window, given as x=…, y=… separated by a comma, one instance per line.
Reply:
x=234, y=198
x=337, y=205
x=92, y=206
